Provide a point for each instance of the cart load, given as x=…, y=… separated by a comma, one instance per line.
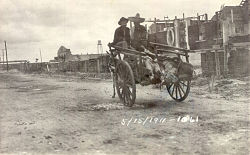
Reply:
x=130, y=69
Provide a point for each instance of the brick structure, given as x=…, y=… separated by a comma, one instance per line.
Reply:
x=239, y=61
x=208, y=62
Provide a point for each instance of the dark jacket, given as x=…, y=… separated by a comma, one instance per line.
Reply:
x=140, y=33
x=139, y=37
x=122, y=34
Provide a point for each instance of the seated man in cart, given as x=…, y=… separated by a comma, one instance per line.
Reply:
x=139, y=43
x=138, y=33
x=122, y=39
x=122, y=35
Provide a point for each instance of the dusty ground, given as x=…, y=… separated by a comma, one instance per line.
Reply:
x=43, y=114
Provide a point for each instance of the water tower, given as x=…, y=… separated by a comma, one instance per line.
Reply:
x=99, y=47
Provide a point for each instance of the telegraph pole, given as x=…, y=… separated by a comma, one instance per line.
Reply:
x=3, y=55
x=6, y=55
x=41, y=59
x=41, y=56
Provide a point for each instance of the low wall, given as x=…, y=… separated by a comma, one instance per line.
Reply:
x=99, y=65
x=238, y=62
x=208, y=63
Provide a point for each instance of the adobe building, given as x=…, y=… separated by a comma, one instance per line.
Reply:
x=64, y=55
x=223, y=41
x=84, y=63
x=225, y=48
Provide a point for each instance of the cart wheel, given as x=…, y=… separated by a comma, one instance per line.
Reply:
x=125, y=83
x=179, y=90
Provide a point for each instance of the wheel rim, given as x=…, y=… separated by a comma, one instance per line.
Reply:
x=179, y=90
x=125, y=83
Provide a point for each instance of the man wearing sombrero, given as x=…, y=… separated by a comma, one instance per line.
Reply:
x=139, y=43
x=139, y=33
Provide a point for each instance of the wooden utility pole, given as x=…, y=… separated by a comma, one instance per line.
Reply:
x=6, y=55
x=41, y=56
x=217, y=59
x=3, y=55
x=177, y=32
x=41, y=59
x=217, y=63
x=155, y=30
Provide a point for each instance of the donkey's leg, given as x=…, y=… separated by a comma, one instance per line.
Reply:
x=113, y=85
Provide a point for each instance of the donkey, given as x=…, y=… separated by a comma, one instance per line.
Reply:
x=111, y=68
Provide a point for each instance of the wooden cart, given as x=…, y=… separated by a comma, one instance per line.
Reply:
x=127, y=74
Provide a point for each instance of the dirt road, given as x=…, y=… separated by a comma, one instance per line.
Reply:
x=43, y=114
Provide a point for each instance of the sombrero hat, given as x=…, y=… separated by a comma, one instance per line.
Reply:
x=123, y=19
x=137, y=18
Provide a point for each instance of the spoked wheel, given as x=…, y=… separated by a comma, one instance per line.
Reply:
x=179, y=90
x=125, y=83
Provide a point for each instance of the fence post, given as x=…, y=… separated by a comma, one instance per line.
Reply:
x=6, y=55
x=98, y=66
x=225, y=59
x=217, y=63
x=85, y=66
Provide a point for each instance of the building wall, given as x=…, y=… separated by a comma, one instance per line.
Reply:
x=239, y=61
x=99, y=65
x=208, y=63
x=84, y=57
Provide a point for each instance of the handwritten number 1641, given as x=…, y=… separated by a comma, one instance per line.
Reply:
x=187, y=119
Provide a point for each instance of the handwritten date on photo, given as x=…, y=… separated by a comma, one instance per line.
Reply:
x=156, y=120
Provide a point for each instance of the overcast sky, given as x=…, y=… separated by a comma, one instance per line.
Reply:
x=30, y=25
